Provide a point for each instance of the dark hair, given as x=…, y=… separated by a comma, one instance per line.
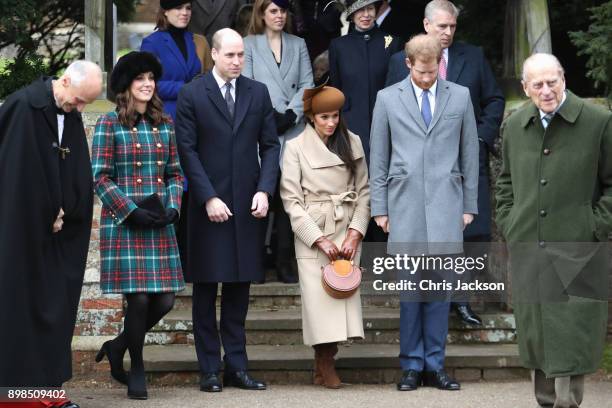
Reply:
x=257, y=25
x=127, y=114
x=340, y=144
x=161, y=21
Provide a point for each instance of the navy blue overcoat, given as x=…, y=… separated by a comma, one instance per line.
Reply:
x=221, y=158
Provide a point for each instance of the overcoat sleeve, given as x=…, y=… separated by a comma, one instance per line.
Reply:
x=603, y=207
x=297, y=104
x=380, y=153
x=173, y=175
x=302, y=224
x=469, y=157
x=269, y=147
x=167, y=89
x=361, y=216
x=334, y=69
x=103, y=165
x=504, y=196
x=492, y=104
x=200, y=186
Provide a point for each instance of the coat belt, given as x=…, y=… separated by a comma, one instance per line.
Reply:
x=335, y=211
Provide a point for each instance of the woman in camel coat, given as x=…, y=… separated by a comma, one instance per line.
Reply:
x=324, y=188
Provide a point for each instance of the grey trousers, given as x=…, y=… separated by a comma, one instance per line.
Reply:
x=558, y=392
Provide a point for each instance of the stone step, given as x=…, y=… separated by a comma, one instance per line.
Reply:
x=356, y=363
x=283, y=295
x=284, y=327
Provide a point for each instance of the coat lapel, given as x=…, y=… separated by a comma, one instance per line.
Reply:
x=315, y=151
x=243, y=101
x=408, y=98
x=214, y=94
x=174, y=50
x=456, y=61
x=442, y=97
x=266, y=54
x=287, y=57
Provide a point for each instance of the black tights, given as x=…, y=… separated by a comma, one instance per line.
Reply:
x=153, y=306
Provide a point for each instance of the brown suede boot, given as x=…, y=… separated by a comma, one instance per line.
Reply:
x=318, y=378
x=327, y=366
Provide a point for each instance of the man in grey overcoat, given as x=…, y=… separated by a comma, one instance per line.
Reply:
x=424, y=192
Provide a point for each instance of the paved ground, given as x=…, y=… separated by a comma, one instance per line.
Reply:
x=474, y=395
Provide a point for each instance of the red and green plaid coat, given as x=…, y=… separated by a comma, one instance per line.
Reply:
x=129, y=165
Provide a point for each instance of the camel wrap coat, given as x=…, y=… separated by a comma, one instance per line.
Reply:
x=323, y=198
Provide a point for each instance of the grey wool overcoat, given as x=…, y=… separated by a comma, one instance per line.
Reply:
x=423, y=178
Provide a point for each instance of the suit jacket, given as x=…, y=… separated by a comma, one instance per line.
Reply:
x=221, y=157
x=208, y=16
x=469, y=67
x=358, y=67
x=286, y=83
x=424, y=179
x=176, y=71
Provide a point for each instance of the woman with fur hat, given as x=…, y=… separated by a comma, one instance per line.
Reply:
x=138, y=178
x=279, y=60
x=324, y=188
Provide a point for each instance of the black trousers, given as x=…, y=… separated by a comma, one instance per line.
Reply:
x=234, y=307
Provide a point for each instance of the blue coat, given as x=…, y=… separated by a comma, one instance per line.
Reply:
x=358, y=68
x=469, y=67
x=176, y=71
x=221, y=158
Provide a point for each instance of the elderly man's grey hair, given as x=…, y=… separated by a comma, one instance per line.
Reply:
x=81, y=69
x=440, y=5
x=540, y=58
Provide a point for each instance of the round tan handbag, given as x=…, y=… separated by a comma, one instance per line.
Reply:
x=341, y=278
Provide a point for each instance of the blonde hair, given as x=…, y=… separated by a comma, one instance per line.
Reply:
x=423, y=47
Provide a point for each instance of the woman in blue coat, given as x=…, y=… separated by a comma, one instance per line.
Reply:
x=279, y=60
x=177, y=51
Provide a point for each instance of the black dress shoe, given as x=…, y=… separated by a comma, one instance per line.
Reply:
x=411, y=379
x=137, y=385
x=210, y=383
x=441, y=380
x=70, y=404
x=115, y=361
x=465, y=312
x=241, y=379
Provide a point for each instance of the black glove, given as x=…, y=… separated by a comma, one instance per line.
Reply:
x=170, y=218
x=284, y=121
x=142, y=218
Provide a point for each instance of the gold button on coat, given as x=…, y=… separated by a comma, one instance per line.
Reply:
x=138, y=164
x=138, y=145
x=139, y=181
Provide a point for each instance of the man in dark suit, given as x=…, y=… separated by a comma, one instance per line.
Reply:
x=225, y=127
x=466, y=65
x=209, y=16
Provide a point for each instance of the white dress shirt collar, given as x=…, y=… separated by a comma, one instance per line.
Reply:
x=432, y=95
x=221, y=83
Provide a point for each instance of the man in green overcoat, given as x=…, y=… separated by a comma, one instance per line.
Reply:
x=554, y=208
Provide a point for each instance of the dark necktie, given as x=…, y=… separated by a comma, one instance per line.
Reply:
x=426, y=108
x=228, y=98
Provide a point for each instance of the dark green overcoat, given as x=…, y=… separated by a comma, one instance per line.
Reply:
x=554, y=207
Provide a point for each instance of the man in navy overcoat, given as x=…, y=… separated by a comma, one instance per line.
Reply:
x=229, y=151
x=465, y=65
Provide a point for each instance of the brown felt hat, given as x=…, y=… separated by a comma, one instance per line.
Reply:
x=322, y=99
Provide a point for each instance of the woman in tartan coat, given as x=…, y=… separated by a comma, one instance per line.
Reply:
x=134, y=156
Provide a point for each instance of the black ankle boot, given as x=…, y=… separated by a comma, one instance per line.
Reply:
x=137, y=385
x=115, y=359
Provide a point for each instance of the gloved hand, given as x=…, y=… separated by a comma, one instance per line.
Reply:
x=350, y=244
x=284, y=121
x=142, y=218
x=170, y=218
